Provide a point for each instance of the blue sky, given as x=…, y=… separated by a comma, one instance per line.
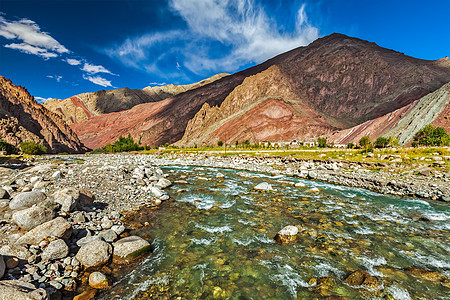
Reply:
x=57, y=49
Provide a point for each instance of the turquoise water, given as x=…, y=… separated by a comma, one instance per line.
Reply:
x=215, y=241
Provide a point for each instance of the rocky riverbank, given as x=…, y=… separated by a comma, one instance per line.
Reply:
x=60, y=219
x=61, y=216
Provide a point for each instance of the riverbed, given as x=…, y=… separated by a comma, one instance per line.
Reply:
x=215, y=240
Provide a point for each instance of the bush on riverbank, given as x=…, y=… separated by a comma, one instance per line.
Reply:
x=32, y=148
x=7, y=147
x=432, y=136
x=123, y=144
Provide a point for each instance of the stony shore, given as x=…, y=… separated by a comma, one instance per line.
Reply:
x=60, y=216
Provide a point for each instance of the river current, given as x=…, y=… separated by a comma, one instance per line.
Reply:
x=216, y=241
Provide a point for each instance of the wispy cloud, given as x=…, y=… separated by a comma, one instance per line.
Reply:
x=41, y=100
x=33, y=40
x=73, y=61
x=98, y=80
x=93, y=69
x=230, y=35
x=157, y=83
x=57, y=77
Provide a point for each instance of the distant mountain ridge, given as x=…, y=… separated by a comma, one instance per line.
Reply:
x=23, y=119
x=335, y=83
x=80, y=108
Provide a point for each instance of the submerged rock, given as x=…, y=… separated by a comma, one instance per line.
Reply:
x=429, y=275
x=363, y=278
x=288, y=234
x=264, y=186
x=313, y=190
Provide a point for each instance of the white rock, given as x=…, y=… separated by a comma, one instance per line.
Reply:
x=264, y=186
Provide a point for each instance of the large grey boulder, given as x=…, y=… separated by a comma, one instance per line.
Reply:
x=163, y=183
x=87, y=239
x=26, y=199
x=72, y=199
x=2, y=266
x=289, y=234
x=131, y=247
x=58, y=227
x=98, y=281
x=20, y=290
x=55, y=250
x=31, y=217
x=264, y=186
x=94, y=254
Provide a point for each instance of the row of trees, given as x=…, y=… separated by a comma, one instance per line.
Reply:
x=30, y=148
x=123, y=144
x=427, y=136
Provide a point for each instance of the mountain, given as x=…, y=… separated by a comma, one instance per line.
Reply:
x=335, y=83
x=79, y=108
x=23, y=119
x=403, y=123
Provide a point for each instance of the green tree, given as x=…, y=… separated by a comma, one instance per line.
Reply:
x=364, y=141
x=350, y=145
x=322, y=142
x=32, y=148
x=415, y=144
x=220, y=143
x=381, y=142
x=9, y=148
x=431, y=136
x=246, y=143
x=237, y=143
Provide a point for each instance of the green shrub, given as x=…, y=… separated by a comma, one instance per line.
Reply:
x=32, y=148
x=9, y=148
x=364, y=142
x=381, y=142
x=322, y=142
x=431, y=136
x=350, y=145
x=123, y=144
x=220, y=143
x=415, y=144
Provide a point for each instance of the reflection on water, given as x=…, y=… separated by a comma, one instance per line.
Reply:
x=216, y=242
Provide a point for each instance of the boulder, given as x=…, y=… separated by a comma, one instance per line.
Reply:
x=131, y=247
x=94, y=254
x=4, y=194
x=87, y=239
x=55, y=250
x=99, y=281
x=163, y=183
x=313, y=190
x=300, y=185
x=58, y=227
x=264, y=186
x=15, y=251
x=71, y=199
x=109, y=235
x=2, y=266
x=31, y=217
x=362, y=277
x=289, y=234
x=26, y=199
x=18, y=290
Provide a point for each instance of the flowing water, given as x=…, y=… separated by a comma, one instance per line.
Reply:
x=215, y=241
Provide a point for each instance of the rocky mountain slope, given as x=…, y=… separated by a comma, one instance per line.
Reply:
x=335, y=83
x=23, y=119
x=403, y=123
x=79, y=108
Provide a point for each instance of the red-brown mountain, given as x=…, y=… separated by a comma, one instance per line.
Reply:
x=23, y=119
x=332, y=84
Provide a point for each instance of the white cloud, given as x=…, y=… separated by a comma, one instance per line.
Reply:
x=73, y=62
x=93, y=69
x=33, y=40
x=41, y=100
x=157, y=83
x=98, y=80
x=29, y=49
x=57, y=77
x=231, y=34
